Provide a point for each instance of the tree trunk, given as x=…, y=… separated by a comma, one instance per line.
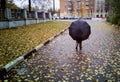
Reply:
x=29, y=5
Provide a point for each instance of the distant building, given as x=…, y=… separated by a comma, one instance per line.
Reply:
x=100, y=10
x=76, y=8
x=90, y=8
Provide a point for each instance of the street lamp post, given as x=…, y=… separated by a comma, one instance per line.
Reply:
x=3, y=4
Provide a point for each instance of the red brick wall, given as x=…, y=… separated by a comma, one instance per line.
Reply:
x=64, y=7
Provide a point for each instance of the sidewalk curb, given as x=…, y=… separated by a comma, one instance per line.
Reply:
x=18, y=60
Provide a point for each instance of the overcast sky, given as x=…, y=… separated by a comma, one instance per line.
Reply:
x=19, y=4
x=57, y=4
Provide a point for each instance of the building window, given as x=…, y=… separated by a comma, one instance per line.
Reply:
x=97, y=10
x=78, y=5
x=97, y=16
x=70, y=5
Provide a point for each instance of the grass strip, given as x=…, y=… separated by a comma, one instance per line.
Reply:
x=17, y=41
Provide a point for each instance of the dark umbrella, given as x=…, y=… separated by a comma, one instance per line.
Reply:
x=79, y=30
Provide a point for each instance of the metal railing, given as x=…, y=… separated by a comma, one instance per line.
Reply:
x=2, y=14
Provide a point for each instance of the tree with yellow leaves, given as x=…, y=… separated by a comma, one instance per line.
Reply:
x=82, y=10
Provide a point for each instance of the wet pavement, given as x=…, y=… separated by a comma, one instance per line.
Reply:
x=58, y=61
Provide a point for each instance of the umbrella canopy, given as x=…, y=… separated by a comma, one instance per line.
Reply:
x=79, y=30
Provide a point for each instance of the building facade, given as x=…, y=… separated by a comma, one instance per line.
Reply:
x=78, y=8
x=89, y=8
x=100, y=10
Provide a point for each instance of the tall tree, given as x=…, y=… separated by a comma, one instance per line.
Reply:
x=82, y=9
x=29, y=5
x=114, y=7
x=3, y=4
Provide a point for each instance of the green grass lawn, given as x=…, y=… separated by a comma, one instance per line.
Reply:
x=17, y=41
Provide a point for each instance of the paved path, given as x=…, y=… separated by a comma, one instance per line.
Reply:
x=99, y=61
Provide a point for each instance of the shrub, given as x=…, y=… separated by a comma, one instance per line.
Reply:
x=108, y=18
x=119, y=22
x=114, y=19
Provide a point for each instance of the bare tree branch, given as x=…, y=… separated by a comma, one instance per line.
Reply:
x=37, y=4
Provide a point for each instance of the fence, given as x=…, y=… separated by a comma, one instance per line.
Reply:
x=12, y=17
x=16, y=14
x=2, y=14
